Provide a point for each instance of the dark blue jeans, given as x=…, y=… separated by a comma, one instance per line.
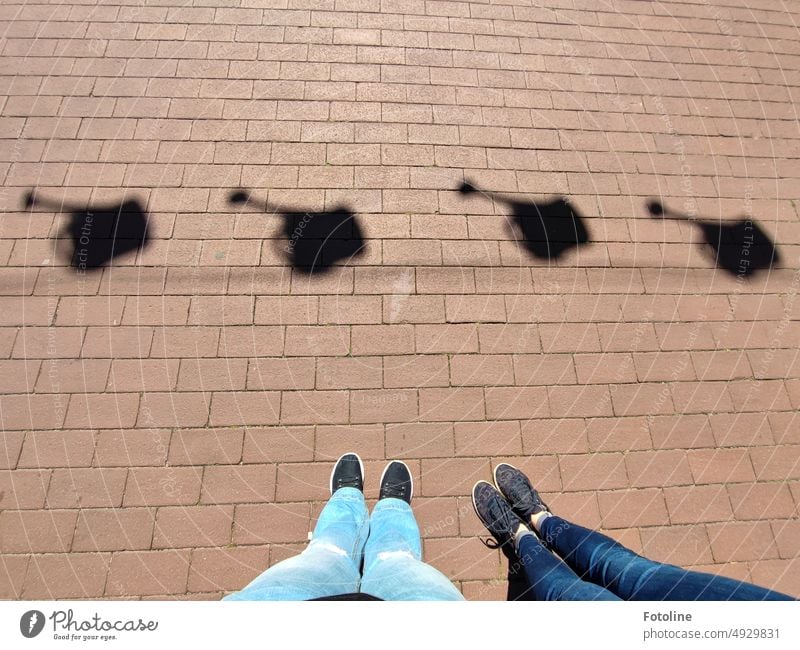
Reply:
x=595, y=567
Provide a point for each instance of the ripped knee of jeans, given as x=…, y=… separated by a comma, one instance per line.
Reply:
x=392, y=555
x=329, y=547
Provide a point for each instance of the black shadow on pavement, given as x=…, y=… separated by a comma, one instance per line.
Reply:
x=315, y=241
x=739, y=247
x=547, y=229
x=98, y=233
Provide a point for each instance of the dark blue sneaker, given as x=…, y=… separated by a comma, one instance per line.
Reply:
x=518, y=491
x=495, y=513
x=348, y=472
x=396, y=482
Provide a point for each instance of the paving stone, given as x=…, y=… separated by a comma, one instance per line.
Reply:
x=169, y=420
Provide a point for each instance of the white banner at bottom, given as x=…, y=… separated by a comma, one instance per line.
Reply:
x=401, y=626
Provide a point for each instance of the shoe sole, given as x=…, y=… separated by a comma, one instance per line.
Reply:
x=336, y=464
x=410, y=477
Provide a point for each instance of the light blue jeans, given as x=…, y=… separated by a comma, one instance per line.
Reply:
x=388, y=543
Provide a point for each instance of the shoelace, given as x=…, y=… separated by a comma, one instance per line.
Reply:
x=342, y=482
x=538, y=505
x=395, y=488
x=491, y=542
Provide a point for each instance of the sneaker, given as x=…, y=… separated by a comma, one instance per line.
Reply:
x=348, y=472
x=396, y=482
x=517, y=489
x=495, y=513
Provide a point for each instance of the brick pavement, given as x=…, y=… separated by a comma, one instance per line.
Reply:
x=169, y=421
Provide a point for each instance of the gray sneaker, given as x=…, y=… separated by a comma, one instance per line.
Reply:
x=496, y=514
x=517, y=489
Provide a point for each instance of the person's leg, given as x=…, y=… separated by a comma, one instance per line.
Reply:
x=331, y=563
x=548, y=576
x=608, y=563
x=393, y=566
